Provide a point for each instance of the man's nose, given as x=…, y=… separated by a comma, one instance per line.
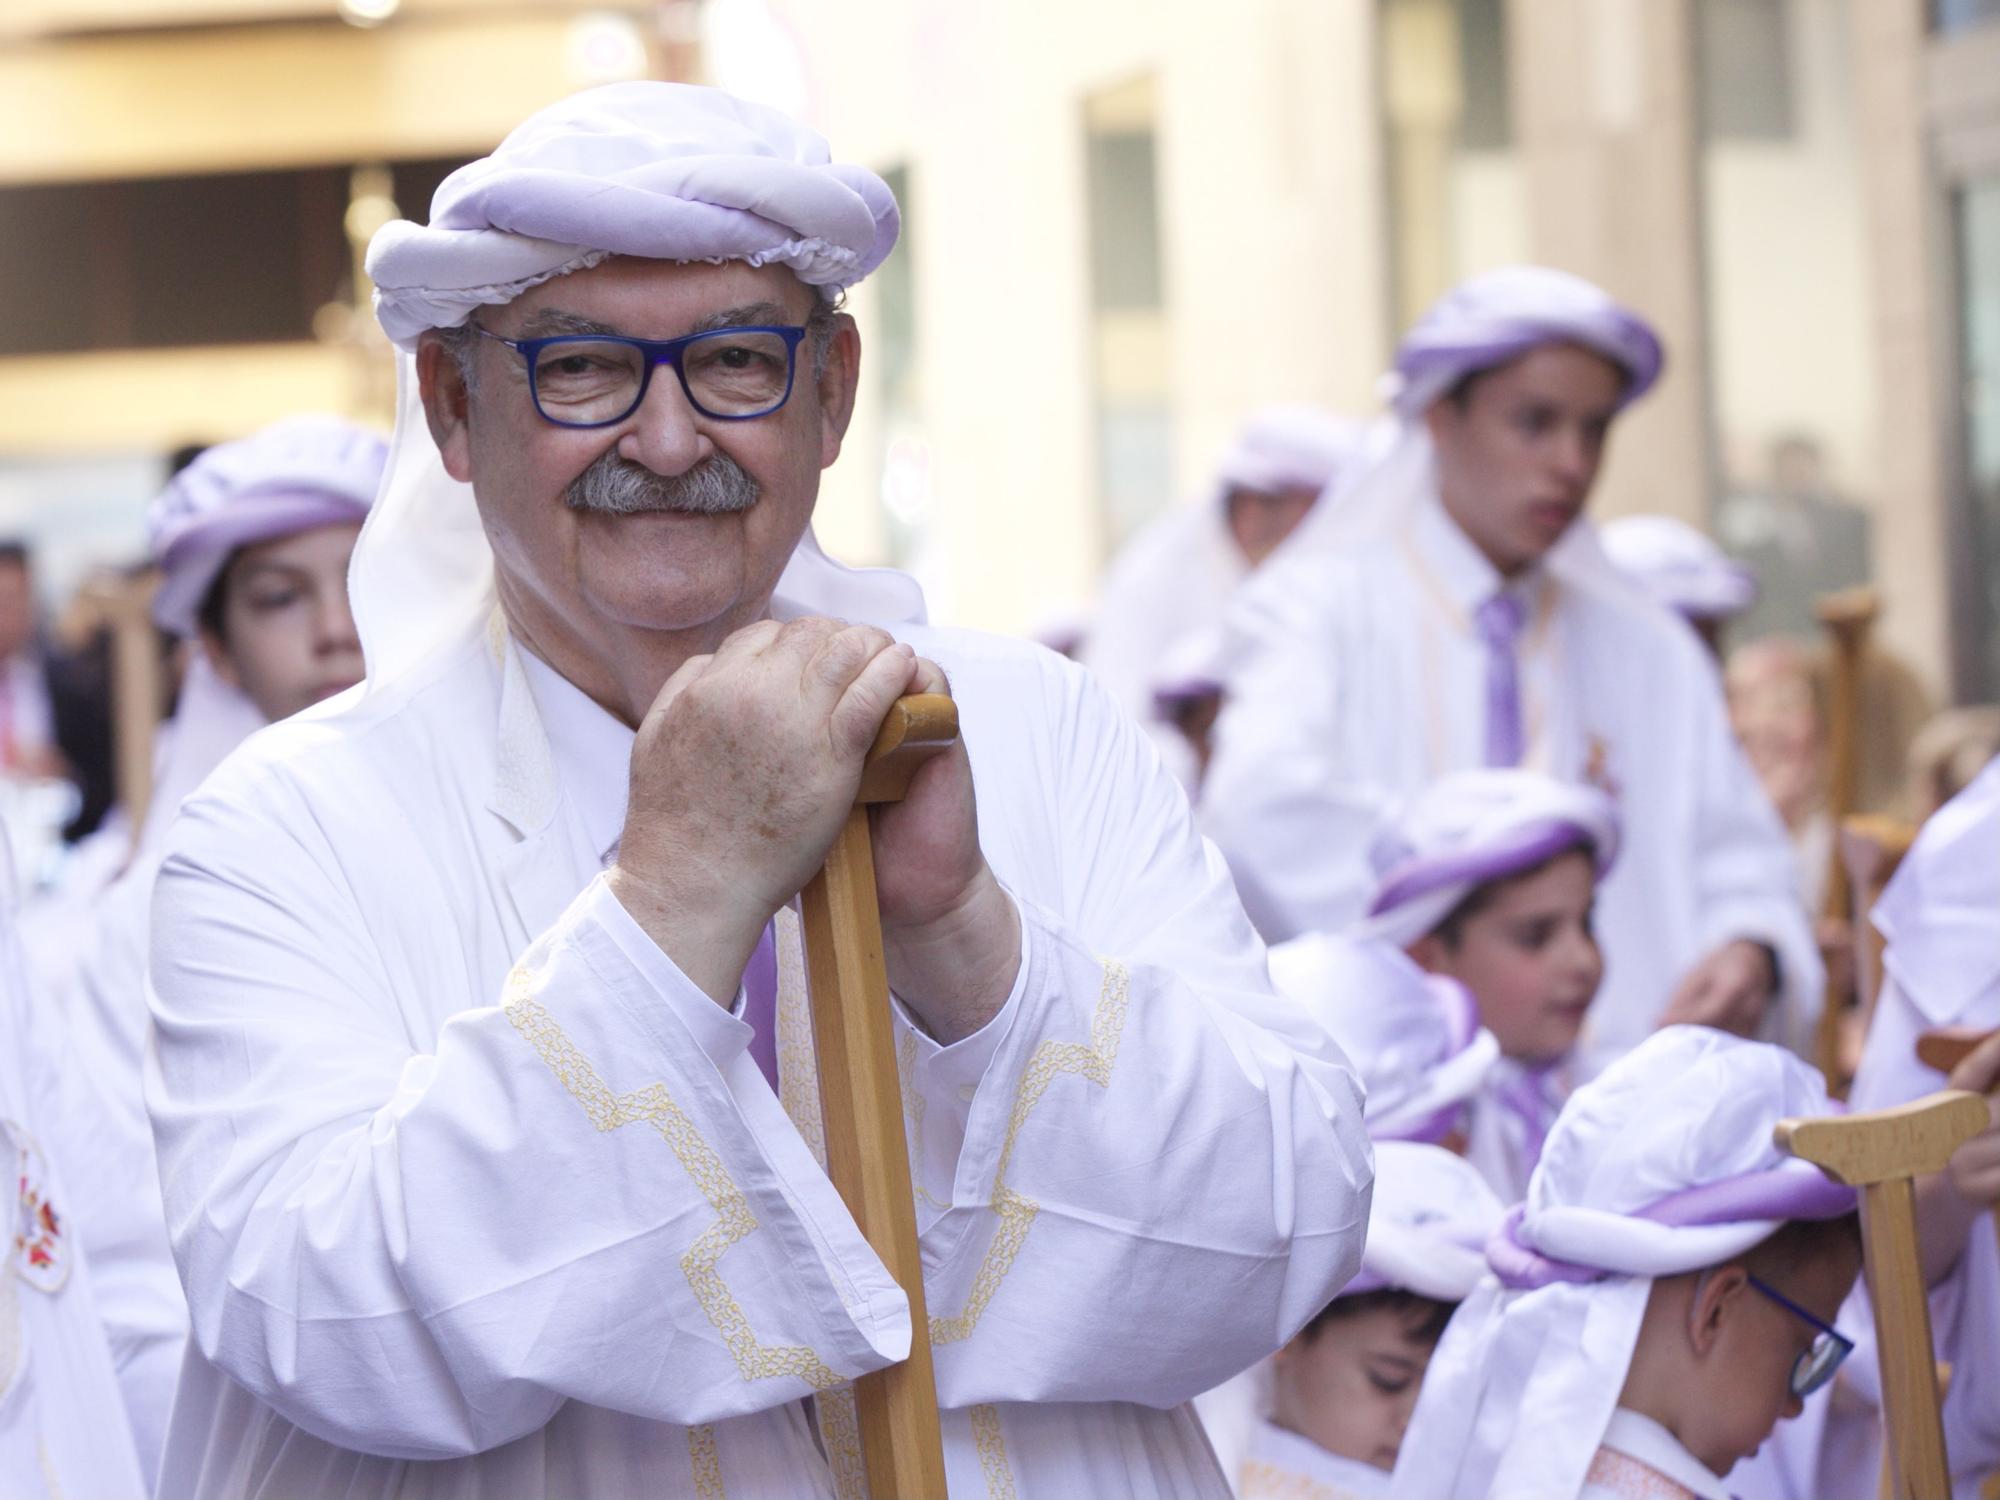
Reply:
x=663, y=433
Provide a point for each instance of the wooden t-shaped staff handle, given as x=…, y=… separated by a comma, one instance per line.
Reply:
x=862, y=1106
x=1881, y=1153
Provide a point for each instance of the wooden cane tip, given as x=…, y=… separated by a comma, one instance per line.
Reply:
x=1848, y=608
x=1883, y=1145
x=917, y=728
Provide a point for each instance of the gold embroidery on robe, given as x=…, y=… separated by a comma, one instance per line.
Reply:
x=654, y=1106
x=1016, y=1211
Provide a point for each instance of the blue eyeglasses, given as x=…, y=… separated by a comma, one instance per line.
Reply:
x=598, y=380
x=1817, y=1365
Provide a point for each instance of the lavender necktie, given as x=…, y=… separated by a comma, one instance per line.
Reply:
x=1499, y=621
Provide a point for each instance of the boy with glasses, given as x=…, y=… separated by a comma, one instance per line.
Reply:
x=1663, y=1298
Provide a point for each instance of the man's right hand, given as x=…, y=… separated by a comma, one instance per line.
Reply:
x=743, y=772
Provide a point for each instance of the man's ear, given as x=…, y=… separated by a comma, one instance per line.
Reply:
x=447, y=405
x=837, y=387
x=1717, y=1296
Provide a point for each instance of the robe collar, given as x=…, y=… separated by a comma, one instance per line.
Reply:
x=1457, y=565
x=592, y=750
x=1642, y=1439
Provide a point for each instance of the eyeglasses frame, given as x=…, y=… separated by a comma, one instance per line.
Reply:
x=656, y=352
x=1841, y=1340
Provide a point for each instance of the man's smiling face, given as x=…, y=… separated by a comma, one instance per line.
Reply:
x=669, y=522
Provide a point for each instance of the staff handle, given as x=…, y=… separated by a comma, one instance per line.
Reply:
x=861, y=1103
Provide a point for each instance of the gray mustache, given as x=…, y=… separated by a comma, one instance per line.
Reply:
x=614, y=486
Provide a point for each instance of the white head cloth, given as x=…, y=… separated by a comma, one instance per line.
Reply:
x=1428, y=1225
x=1288, y=448
x=297, y=474
x=1414, y=1037
x=1481, y=324
x=1938, y=911
x=1680, y=566
x=1472, y=827
x=294, y=475
x=1661, y=1165
x=664, y=171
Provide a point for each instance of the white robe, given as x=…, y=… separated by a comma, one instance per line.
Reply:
x=1941, y=921
x=62, y=1424
x=95, y=978
x=1171, y=581
x=463, y=1173
x=1281, y=1465
x=1356, y=679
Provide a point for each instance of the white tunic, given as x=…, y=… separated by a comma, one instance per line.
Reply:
x=1941, y=919
x=1171, y=581
x=1358, y=678
x=62, y=1425
x=477, y=1195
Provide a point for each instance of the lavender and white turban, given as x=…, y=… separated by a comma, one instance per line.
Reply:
x=1288, y=448
x=1480, y=324
x=667, y=171
x=1415, y=1038
x=1501, y=315
x=1663, y=1164
x=1473, y=827
x=292, y=476
x=1679, y=566
x=664, y=171
x=1428, y=1225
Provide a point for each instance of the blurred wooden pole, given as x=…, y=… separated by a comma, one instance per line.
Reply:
x=867, y=1153
x=1847, y=618
x=137, y=686
x=1882, y=1153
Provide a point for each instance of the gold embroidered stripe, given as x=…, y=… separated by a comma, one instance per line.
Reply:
x=992, y=1449
x=1016, y=1212
x=654, y=1106
x=705, y=1463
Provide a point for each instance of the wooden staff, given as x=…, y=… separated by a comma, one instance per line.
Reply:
x=126, y=606
x=867, y=1154
x=1847, y=617
x=1871, y=851
x=1882, y=1153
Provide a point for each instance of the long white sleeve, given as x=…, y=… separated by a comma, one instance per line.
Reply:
x=421, y=1251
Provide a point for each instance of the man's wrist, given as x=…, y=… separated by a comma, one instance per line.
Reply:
x=708, y=940
x=956, y=971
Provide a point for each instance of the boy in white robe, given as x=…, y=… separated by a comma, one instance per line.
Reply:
x=1172, y=582
x=1341, y=1392
x=485, y=1089
x=1451, y=609
x=63, y=1431
x=1684, y=570
x=252, y=541
x=1490, y=878
x=1661, y=1300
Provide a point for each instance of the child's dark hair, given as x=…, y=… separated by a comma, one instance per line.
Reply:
x=1801, y=1242
x=1423, y=1318
x=1452, y=929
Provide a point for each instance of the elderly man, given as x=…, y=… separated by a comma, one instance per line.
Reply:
x=1457, y=611
x=1166, y=592
x=486, y=1100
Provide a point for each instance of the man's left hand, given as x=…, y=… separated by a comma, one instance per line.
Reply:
x=950, y=934
x=1729, y=990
